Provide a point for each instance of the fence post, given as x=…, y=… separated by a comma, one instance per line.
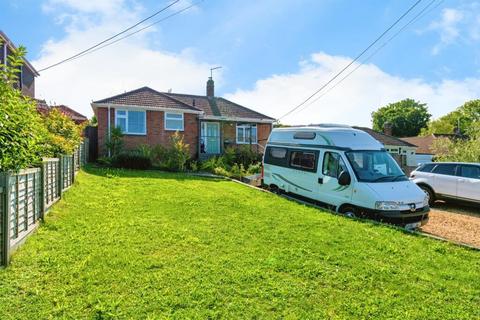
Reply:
x=60, y=177
x=73, y=167
x=5, y=218
x=42, y=190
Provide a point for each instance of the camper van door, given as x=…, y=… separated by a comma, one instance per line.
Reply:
x=330, y=191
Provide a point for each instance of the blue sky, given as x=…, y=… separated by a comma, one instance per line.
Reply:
x=263, y=46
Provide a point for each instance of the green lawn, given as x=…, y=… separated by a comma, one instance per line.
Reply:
x=125, y=244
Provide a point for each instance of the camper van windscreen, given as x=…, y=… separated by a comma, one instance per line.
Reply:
x=304, y=135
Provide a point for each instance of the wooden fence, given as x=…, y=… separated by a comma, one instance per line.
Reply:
x=26, y=196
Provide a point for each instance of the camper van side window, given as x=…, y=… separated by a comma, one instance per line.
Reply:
x=302, y=160
x=278, y=153
x=333, y=165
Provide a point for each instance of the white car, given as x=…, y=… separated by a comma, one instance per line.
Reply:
x=449, y=181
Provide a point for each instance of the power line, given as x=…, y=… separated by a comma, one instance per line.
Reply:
x=141, y=29
x=110, y=38
x=354, y=60
x=417, y=17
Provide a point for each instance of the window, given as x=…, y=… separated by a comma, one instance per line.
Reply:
x=303, y=160
x=472, y=172
x=375, y=166
x=276, y=156
x=278, y=153
x=446, y=169
x=426, y=167
x=333, y=165
x=174, y=121
x=131, y=122
x=246, y=133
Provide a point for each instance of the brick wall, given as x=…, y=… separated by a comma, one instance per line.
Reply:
x=156, y=133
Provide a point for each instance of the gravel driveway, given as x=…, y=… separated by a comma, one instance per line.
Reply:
x=455, y=222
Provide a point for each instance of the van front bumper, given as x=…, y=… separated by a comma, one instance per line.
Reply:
x=400, y=218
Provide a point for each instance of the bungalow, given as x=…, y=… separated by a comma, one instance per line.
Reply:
x=209, y=124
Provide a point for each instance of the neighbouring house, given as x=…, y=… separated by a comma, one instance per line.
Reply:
x=404, y=152
x=44, y=108
x=425, y=152
x=26, y=80
x=208, y=123
x=77, y=117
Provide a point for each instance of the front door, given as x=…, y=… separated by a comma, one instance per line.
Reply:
x=211, y=137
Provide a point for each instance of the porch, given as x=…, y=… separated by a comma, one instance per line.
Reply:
x=216, y=136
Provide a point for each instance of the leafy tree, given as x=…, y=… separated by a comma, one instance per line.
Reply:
x=407, y=117
x=463, y=118
x=459, y=150
x=63, y=134
x=21, y=128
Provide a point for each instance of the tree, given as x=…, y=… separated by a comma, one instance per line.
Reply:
x=464, y=118
x=407, y=117
x=21, y=127
x=63, y=134
x=459, y=150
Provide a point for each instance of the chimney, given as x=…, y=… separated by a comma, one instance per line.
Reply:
x=210, y=88
x=388, y=129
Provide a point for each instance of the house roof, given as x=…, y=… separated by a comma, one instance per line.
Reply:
x=425, y=143
x=147, y=97
x=215, y=107
x=44, y=109
x=72, y=114
x=9, y=43
x=386, y=139
x=220, y=107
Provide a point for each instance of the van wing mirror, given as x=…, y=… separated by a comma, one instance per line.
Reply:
x=344, y=179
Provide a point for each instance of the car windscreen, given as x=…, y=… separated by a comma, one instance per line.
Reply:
x=375, y=166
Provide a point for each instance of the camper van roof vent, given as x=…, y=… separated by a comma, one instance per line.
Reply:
x=304, y=135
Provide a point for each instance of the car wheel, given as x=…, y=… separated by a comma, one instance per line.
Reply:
x=349, y=211
x=430, y=194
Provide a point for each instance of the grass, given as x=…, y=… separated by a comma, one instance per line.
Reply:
x=126, y=244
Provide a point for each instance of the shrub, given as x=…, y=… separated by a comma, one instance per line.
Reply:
x=255, y=168
x=145, y=150
x=193, y=165
x=114, y=142
x=177, y=156
x=63, y=134
x=246, y=156
x=21, y=127
x=158, y=155
x=131, y=160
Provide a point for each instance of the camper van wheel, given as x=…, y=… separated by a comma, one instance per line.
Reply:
x=275, y=189
x=349, y=211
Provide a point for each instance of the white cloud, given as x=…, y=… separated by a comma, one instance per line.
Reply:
x=124, y=66
x=460, y=24
x=353, y=101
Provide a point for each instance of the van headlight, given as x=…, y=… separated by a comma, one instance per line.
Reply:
x=387, y=205
x=426, y=200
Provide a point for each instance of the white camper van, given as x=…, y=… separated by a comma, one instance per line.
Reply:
x=344, y=169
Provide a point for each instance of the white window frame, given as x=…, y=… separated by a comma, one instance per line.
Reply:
x=167, y=118
x=117, y=116
x=245, y=127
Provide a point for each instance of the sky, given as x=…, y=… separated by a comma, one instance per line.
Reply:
x=273, y=53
